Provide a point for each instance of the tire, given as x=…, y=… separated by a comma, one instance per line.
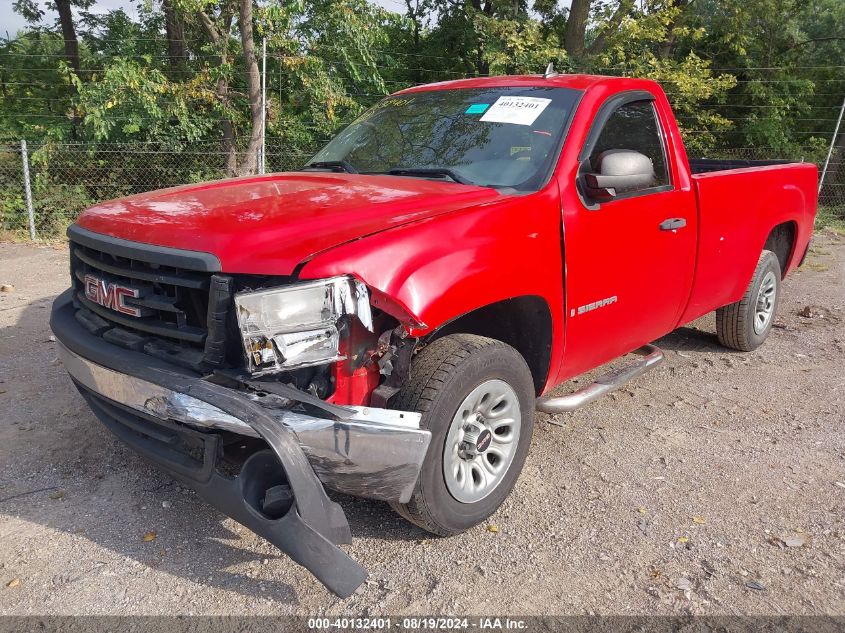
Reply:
x=740, y=325
x=445, y=375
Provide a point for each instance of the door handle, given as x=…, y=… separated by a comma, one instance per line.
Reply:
x=673, y=224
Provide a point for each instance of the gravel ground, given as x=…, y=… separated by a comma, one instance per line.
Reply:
x=715, y=484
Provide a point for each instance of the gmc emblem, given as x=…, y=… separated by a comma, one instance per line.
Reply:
x=111, y=296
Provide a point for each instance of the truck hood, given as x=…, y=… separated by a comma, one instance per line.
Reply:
x=269, y=224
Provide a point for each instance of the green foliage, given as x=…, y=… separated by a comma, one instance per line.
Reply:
x=784, y=55
x=132, y=101
x=746, y=78
x=36, y=95
x=640, y=48
x=515, y=46
x=733, y=68
x=831, y=218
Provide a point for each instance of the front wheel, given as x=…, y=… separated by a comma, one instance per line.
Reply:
x=744, y=325
x=477, y=398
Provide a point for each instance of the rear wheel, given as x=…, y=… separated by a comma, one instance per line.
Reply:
x=477, y=398
x=744, y=325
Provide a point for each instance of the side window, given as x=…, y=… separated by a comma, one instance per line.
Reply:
x=634, y=126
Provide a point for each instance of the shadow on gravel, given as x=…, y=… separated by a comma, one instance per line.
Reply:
x=81, y=480
x=690, y=339
x=376, y=520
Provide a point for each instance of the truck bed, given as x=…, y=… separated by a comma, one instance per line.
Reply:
x=738, y=204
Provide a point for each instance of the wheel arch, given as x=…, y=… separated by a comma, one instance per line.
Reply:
x=781, y=241
x=524, y=323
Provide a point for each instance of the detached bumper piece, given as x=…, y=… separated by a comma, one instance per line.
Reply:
x=260, y=497
x=175, y=421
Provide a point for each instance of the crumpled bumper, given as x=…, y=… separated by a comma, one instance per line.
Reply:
x=171, y=418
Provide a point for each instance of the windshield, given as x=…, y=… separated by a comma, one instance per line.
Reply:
x=499, y=137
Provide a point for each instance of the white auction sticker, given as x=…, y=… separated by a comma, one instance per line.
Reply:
x=516, y=110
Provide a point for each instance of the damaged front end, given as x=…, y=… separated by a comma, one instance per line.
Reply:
x=259, y=451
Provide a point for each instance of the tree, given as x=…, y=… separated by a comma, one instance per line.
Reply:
x=585, y=28
x=63, y=7
x=253, y=80
x=576, y=27
x=32, y=12
x=34, y=104
x=218, y=30
x=779, y=52
x=174, y=25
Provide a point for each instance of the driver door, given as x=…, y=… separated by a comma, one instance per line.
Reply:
x=630, y=257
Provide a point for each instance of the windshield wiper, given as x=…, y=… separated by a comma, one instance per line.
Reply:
x=427, y=172
x=333, y=165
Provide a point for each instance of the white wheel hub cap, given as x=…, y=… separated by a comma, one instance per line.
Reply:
x=764, y=308
x=482, y=440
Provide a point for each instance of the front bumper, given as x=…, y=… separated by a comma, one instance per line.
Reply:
x=155, y=408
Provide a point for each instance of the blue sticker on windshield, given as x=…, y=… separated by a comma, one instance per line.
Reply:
x=477, y=108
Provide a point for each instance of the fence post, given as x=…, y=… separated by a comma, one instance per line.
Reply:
x=30, y=212
x=832, y=144
x=263, y=103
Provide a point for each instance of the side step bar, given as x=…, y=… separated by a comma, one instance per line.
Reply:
x=604, y=384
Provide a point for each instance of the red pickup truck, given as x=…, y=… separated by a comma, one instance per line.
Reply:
x=385, y=321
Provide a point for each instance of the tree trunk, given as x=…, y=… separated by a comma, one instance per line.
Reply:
x=175, y=27
x=414, y=15
x=482, y=67
x=253, y=84
x=576, y=28
x=68, y=33
x=221, y=40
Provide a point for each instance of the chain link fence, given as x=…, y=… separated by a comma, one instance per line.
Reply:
x=64, y=179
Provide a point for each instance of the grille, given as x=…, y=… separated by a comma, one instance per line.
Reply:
x=175, y=315
x=174, y=302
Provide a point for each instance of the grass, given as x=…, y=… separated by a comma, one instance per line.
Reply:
x=831, y=218
x=22, y=237
x=7, y=235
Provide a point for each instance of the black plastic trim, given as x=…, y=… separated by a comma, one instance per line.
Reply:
x=156, y=440
x=182, y=280
x=163, y=255
x=605, y=111
x=220, y=293
x=640, y=192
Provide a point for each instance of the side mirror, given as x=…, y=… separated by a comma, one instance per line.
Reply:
x=619, y=170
